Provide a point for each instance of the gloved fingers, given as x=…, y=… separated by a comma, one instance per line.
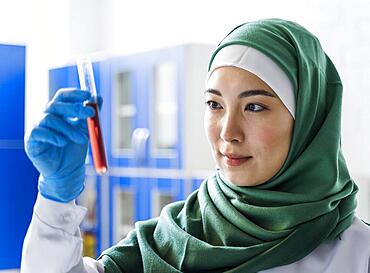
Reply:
x=100, y=102
x=70, y=110
x=64, y=128
x=75, y=95
x=46, y=135
x=82, y=126
x=71, y=95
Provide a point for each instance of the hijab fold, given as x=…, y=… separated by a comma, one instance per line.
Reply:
x=311, y=200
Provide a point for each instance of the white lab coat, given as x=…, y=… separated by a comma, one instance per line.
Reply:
x=53, y=244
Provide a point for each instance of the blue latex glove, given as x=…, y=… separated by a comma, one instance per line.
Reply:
x=57, y=146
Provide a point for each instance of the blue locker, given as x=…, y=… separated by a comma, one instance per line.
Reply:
x=125, y=76
x=132, y=79
x=12, y=86
x=174, y=59
x=18, y=176
x=162, y=191
x=137, y=199
x=124, y=200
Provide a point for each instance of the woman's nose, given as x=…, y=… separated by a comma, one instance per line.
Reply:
x=231, y=130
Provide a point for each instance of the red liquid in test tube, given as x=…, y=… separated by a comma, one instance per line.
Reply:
x=87, y=82
x=96, y=141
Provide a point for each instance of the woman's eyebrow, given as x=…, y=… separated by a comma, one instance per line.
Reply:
x=257, y=92
x=213, y=91
x=244, y=94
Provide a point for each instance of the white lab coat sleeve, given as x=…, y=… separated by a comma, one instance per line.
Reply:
x=53, y=241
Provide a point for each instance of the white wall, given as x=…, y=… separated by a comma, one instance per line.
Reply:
x=42, y=26
x=56, y=31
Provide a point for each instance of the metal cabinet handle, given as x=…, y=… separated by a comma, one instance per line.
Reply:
x=140, y=145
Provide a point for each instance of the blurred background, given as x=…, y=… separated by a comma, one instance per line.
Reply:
x=149, y=61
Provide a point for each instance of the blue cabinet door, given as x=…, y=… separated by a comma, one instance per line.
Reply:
x=124, y=201
x=12, y=86
x=18, y=178
x=19, y=190
x=127, y=107
x=147, y=93
x=165, y=87
x=162, y=191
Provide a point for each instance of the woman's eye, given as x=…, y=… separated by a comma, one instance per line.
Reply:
x=254, y=107
x=213, y=105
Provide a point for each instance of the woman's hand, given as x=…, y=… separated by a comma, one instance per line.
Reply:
x=57, y=145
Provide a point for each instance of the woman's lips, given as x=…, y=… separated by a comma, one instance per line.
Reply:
x=235, y=160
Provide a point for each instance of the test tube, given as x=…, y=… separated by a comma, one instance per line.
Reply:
x=87, y=82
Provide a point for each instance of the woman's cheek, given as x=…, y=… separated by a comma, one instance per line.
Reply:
x=264, y=141
x=210, y=127
x=274, y=143
x=266, y=136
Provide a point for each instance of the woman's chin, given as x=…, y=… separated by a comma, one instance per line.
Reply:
x=240, y=179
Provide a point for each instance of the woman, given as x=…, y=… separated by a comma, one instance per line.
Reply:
x=282, y=199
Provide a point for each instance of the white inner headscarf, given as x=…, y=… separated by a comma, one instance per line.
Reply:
x=256, y=62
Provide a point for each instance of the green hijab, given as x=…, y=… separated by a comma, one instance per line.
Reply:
x=311, y=200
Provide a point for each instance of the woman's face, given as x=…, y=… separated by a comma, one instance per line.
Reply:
x=248, y=127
